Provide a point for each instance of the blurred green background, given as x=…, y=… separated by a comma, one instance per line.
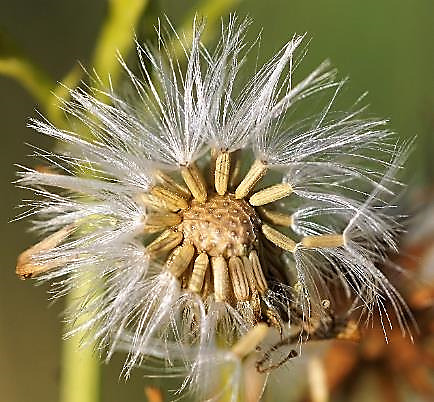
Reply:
x=385, y=46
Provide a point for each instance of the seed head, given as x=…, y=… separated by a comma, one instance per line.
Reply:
x=210, y=214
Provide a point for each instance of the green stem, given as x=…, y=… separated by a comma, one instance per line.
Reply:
x=80, y=378
x=116, y=36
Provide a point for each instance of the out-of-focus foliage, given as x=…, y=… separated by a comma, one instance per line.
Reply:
x=16, y=65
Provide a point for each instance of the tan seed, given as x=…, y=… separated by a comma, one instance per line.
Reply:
x=27, y=267
x=323, y=241
x=275, y=217
x=247, y=268
x=173, y=201
x=152, y=201
x=200, y=268
x=270, y=194
x=173, y=185
x=162, y=220
x=256, y=172
x=222, y=170
x=261, y=282
x=195, y=182
x=167, y=241
x=278, y=238
x=240, y=284
x=180, y=259
x=221, y=279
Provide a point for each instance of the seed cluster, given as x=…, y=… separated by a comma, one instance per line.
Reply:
x=217, y=237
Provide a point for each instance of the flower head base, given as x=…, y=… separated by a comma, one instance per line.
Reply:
x=209, y=215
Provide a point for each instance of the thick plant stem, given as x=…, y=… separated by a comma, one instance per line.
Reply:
x=80, y=378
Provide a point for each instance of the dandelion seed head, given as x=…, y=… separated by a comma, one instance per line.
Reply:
x=189, y=245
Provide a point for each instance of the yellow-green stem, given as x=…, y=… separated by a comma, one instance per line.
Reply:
x=80, y=381
x=80, y=374
x=116, y=36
